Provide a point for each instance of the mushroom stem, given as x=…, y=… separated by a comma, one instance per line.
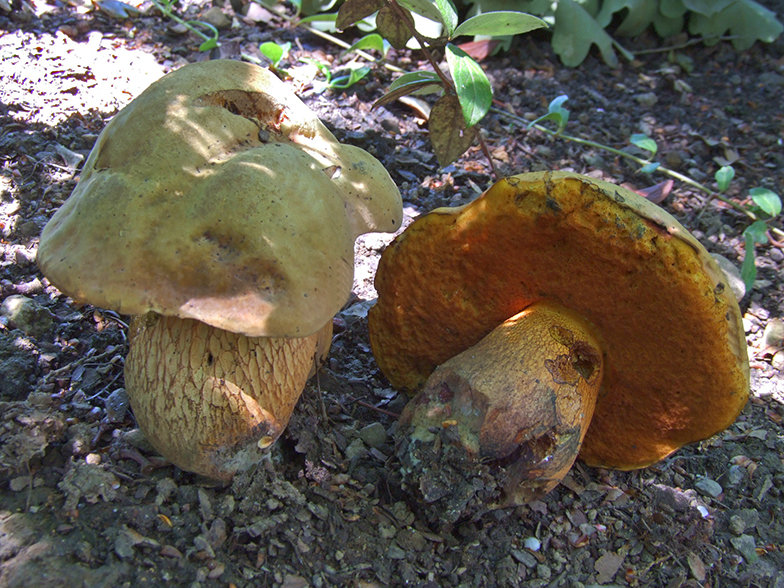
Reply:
x=210, y=400
x=512, y=410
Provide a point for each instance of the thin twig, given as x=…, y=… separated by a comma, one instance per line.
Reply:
x=665, y=170
x=683, y=45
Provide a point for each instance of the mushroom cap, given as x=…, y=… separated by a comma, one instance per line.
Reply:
x=218, y=195
x=676, y=367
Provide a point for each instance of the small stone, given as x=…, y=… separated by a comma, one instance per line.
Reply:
x=747, y=547
x=595, y=160
x=27, y=315
x=19, y=484
x=374, y=434
x=543, y=572
x=735, y=475
x=395, y=552
x=164, y=489
x=544, y=151
x=117, y=405
x=170, y=551
x=216, y=18
x=202, y=545
x=750, y=517
x=532, y=543
x=771, y=79
x=524, y=558
x=773, y=335
x=708, y=487
x=673, y=159
x=648, y=99
x=737, y=525
x=356, y=450
x=217, y=571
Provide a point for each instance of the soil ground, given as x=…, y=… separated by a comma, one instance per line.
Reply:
x=84, y=502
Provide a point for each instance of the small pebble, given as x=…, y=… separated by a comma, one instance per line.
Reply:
x=737, y=525
x=708, y=487
x=19, y=484
x=746, y=546
x=532, y=543
x=647, y=99
x=356, y=449
x=374, y=434
x=524, y=558
x=543, y=572
x=395, y=552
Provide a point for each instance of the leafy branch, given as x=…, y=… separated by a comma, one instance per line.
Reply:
x=466, y=93
x=210, y=41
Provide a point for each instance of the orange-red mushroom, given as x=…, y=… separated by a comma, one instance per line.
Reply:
x=674, y=367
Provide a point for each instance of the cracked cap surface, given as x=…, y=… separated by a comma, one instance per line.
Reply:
x=218, y=195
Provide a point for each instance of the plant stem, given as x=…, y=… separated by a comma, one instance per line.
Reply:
x=167, y=12
x=404, y=15
x=672, y=173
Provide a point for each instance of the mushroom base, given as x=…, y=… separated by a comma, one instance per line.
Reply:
x=211, y=401
x=502, y=423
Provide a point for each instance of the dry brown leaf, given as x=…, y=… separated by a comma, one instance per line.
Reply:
x=696, y=566
x=607, y=566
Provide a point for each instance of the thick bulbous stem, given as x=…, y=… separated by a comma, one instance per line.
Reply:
x=512, y=411
x=209, y=400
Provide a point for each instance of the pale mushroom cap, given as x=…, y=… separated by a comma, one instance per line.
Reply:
x=218, y=195
x=676, y=366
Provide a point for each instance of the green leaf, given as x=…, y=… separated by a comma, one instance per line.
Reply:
x=706, y=7
x=555, y=112
x=323, y=68
x=724, y=176
x=424, y=8
x=758, y=231
x=767, y=200
x=754, y=233
x=314, y=6
x=448, y=14
x=644, y=142
x=748, y=269
x=496, y=24
x=372, y=41
x=208, y=45
x=640, y=14
x=394, y=29
x=422, y=82
x=346, y=81
x=672, y=8
x=574, y=33
x=746, y=21
x=650, y=168
x=448, y=132
x=473, y=87
x=355, y=10
x=274, y=52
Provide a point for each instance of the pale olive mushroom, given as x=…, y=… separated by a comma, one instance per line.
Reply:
x=619, y=306
x=218, y=209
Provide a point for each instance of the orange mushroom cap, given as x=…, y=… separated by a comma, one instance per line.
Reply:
x=676, y=367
